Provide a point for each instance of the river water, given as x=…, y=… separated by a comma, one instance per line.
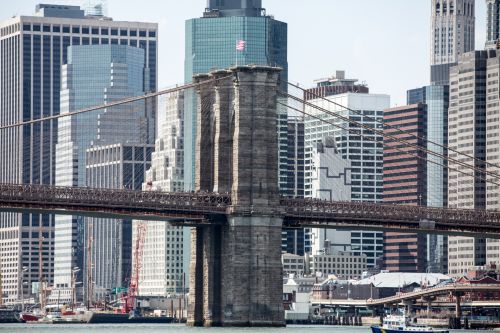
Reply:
x=47, y=328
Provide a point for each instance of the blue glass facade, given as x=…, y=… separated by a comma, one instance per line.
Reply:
x=437, y=99
x=211, y=44
x=32, y=51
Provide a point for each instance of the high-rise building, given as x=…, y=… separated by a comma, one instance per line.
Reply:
x=493, y=148
x=436, y=97
x=405, y=182
x=467, y=133
x=97, y=75
x=493, y=23
x=293, y=187
x=331, y=181
x=365, y=153
x=211, y=44
x=108, y=243
x=164, y=264
x=33, y=50
x=452, y=34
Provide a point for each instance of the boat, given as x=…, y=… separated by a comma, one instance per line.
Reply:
x=400, y=324
x=29, y=316
x=9, y=316
x=124, y=318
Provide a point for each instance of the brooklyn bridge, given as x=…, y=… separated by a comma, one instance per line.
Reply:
x=235, y=211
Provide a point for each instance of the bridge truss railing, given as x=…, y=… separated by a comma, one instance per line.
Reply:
x=326, y=210
x=113, y=198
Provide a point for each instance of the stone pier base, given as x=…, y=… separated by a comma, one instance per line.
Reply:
x=236, y=275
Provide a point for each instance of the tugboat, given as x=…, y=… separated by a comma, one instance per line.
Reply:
x=399, y=324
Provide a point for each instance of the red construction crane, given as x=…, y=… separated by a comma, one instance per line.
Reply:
x=130, y=303
x=133, y=289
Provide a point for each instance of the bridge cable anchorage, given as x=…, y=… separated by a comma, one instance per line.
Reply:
x=359, y=132
x=117, y=103
x=393, y=138
x=445, y=147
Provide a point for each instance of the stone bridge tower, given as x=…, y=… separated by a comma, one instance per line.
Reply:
x=236, y=275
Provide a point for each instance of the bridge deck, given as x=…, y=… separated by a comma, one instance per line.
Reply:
x=196, y=208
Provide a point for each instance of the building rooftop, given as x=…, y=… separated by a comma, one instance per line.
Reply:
x=225, y=8
x=61, y=11
x=401, y=280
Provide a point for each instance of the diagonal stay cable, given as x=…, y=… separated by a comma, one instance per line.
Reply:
x=445, y=147
x=117, y=103
x=393, y=138
x=359, y=132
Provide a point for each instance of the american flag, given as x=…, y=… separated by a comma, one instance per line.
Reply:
x=241, y=45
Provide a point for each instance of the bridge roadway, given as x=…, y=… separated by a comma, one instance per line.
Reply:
x=194, y=209
x=416, y=295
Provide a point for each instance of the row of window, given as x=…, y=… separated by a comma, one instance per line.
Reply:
x=123, y=32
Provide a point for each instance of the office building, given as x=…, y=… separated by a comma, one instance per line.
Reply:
x=33, y=49
x=467, y=133
x=293, y=264
x=493, y=148
x=97, y=75
x=108, y=243
x=164, y=265
x=436, y=97
x=331, y=181
x=344, y=265
x=405, y=182
x=293, y=187
x=211, y=44
x=365, y=152
x=493, y=23
x=453, y=34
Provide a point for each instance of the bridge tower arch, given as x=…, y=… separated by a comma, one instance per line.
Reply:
x=236, y=275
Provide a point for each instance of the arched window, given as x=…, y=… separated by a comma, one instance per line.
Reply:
x=438, y=7
x=444, y=8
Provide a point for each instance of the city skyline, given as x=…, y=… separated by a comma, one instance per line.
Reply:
x=409, y=57
x=209, y=194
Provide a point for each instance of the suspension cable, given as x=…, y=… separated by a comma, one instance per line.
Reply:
x=117, y=103
x=355, y=131
x=445, y=147
x=381, y=133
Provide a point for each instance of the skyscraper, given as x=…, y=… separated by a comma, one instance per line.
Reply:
x=436, y=98
x=33, y=49
x=331, y=181
x=293, y=239
x=211, y=44
x=453, y=34
x=364, y=151
x=405, y=182
x=96, y=75
x=165, y=267
x=467, y=133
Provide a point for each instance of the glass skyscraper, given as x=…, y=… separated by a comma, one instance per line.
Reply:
x=32, y=52
x=211, y=44
x=436, y=97
x=97, y=75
